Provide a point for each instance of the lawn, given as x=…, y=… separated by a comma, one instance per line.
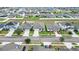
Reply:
x=46, y=33
x=33, y=18
x=76, y=46
x=31, y=33
x=3, y=32
x=18, y=16
x=15, y=34
x=1, y=19
x=77, y=33
x=65, y=33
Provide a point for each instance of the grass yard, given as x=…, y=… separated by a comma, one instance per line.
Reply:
x=1, y=19
x=33, y=18
x=77, y=33
x=76, y=46
x=3, y=32
x=31, y=33
x=65, y=33
x=18, y=16
x=46, y=33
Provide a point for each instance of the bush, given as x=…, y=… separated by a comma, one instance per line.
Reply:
x=31, y=29
x=18, y=31
x=42, y=44
x=27, y=41
x=75, y=30
x=45, y=28
x=61, y=39
x=70, y=32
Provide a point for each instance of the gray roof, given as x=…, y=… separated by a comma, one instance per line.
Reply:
x=53, y=27
x=27, y=26
x=37, y=26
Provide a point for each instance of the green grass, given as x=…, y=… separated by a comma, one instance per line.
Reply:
x=77, y=33
x=76, y=46
x=45, y=33
x=63, y=32
x=1, y=19
x=31, y=33
x=3, y=32
x=74, y=43
x=33, y=18
x=18, y=16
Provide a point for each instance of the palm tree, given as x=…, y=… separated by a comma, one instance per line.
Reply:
x=27, y=41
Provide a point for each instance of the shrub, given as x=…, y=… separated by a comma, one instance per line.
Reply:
x=27, y=41
x=61, y=39
x=18, y=31
x=70, y=32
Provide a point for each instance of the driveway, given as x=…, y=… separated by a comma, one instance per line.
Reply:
x=1, y=29
x=10, y=33
x=58, y=35
x=36, y=33
x=26, y=32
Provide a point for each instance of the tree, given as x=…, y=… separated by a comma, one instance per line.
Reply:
x=45, y=28
x=18, y=31
x=42, y=44
x=61, y=39
x=31, y=29
x=75, y=30
x=70, y=32
x=27, y=41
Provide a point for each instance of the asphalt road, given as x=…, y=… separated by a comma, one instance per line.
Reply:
x=43, y=39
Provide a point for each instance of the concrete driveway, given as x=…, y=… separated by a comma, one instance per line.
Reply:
x=58, y=35
x=26, y=32
x=36, y=33
x=10, y=33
